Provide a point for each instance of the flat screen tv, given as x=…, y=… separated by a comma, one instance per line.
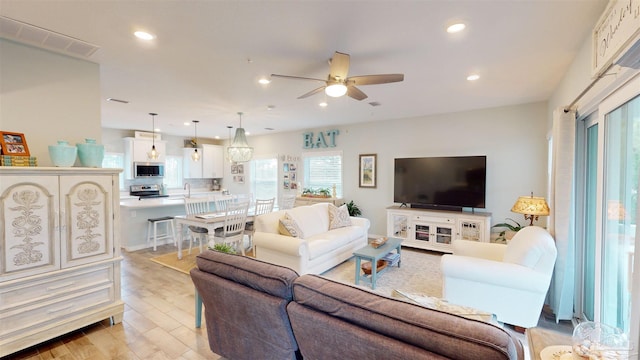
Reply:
x=441, y=182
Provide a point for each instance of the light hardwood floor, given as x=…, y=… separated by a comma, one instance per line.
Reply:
x=158, y=320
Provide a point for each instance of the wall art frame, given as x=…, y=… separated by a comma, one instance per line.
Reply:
x=368, y=177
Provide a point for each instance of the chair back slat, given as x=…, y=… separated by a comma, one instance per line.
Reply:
x=222, y=201
x=264, y=206
x=287, y=202
x=197, y=205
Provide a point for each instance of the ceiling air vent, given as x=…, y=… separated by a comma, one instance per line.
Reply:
x=33, y=35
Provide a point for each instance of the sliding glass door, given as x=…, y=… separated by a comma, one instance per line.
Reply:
x=622, y=155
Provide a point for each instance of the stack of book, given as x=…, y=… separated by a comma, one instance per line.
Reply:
x=9, y=160
x=392, y=258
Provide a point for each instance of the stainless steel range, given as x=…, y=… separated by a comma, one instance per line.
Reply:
x=146, y=191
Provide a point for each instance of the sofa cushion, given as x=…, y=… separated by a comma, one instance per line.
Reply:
x=338, y=216
x=287, y=226
x=269, y=278
x=312, y=219
x=326, y=242
x=357, y=315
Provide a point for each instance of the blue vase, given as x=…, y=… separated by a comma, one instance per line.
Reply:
x=62, y=154
x=90, y=153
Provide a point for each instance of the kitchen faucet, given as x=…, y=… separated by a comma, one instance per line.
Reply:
x=187, y=187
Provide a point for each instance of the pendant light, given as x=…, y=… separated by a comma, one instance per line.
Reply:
x=153, y=154
x=228, y=157
x=239, y=151
x=195, y=156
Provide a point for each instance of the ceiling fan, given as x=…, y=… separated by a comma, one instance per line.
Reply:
x=337, y=82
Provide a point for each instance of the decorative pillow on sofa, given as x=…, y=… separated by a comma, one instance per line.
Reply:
x=338, y=216
x=287, y=226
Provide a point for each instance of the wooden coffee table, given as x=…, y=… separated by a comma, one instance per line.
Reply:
x=374, y=254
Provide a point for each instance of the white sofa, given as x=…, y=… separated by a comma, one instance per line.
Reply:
x=319, y=250
x=510, y=281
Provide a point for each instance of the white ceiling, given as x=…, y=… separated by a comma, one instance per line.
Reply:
x=208, y=55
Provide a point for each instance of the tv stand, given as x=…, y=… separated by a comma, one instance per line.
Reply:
x=435, y=229
x=436, y=207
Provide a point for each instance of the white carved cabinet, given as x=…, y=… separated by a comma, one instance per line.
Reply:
x=59, y=252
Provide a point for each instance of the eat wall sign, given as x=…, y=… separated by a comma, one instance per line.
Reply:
x=322, y=139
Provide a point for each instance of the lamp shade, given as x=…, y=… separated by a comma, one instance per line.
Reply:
x=531, y=205
x=240, y=151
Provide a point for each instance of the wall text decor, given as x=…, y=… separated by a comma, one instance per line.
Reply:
x=323, y=139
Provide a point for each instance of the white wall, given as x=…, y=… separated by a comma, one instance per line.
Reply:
x=48, y=97
x=513, y=138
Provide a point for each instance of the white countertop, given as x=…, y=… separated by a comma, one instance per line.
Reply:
x=133, y=202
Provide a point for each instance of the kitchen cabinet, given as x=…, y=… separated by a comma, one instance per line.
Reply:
x=137, y=149
x=435, y=229
x=60, y=264
x=210, y=165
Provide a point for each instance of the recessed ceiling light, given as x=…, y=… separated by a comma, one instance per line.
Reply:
x=144, y=35
x=457, y=27
x=217, y=137
x=323, y=104
x=270, y=107
x=473, y=77
x=118, y=100
x=264, y=81
x=186, y=123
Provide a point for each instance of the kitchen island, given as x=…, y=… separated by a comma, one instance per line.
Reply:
x=134, y=215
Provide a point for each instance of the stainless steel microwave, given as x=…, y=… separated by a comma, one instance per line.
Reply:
x=148, y=169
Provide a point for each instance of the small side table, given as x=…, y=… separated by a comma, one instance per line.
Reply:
x=374, y=254
x=539, y=338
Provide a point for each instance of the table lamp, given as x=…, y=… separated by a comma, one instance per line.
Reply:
x=532, y=207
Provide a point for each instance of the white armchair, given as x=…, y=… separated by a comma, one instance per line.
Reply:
x=510, y=281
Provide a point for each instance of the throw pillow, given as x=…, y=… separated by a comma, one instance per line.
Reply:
x=289, y=227
x=338, y=217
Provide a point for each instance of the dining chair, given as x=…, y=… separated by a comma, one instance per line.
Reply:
x=287, y=202
x=194, y=206
x=262, y=206
x=222, y=201
x=235, y=219
x=247, y=197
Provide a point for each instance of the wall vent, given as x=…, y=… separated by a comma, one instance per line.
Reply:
x=147, y=135
x=33, y=35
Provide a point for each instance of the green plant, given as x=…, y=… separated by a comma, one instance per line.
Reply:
x=515, y=228
x=225, y=248
x=307, y=191
x=324, y=191
x=353, y=209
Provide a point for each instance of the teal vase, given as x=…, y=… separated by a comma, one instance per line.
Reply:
x=90, y=153
x=62, y=154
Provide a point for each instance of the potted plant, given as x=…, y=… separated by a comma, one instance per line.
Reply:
x=353, y=209
x=225, y=248
x=324, y=192
x=502, y=236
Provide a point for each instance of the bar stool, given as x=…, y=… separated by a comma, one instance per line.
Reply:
x=168, y=221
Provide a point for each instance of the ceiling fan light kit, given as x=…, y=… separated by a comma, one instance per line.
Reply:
x=240, y=151
x=338, y=84
x=336, y=90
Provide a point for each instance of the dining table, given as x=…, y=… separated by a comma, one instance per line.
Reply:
x=210, y=221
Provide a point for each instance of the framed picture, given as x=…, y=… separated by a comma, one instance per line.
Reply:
x=368, y=171
x=13, y=144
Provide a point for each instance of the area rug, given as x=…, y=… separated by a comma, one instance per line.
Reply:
x=183, y=265
x=419, y=273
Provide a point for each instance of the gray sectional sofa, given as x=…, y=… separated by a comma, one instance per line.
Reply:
x=257, y=310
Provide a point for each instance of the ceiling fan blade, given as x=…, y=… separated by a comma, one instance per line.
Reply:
x=296, y=77
x=375, y=79
x=312, y=92
x=356, y=93
x=339, y=66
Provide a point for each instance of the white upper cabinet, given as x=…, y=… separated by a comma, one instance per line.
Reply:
x=136, y=150
x=210, y=165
